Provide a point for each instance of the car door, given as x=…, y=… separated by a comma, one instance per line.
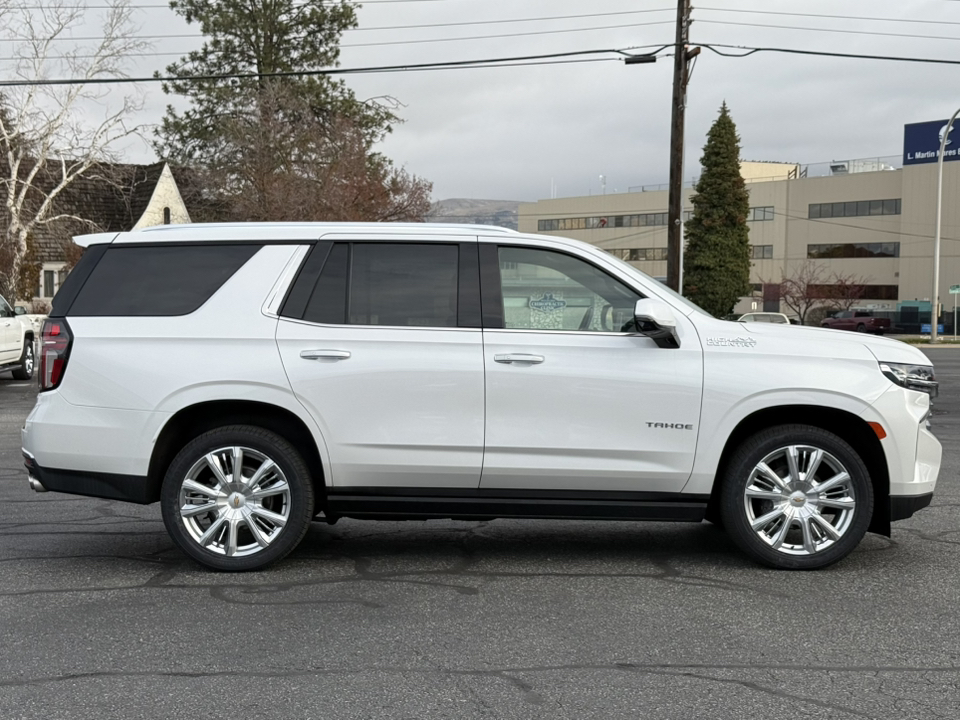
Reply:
x=575, y=399
x=382, y=344
x=9, y=334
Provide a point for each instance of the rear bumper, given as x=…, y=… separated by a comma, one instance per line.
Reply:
x=126, y=488
x=904, y=506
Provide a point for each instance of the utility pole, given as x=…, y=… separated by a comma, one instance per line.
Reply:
x=681, y=74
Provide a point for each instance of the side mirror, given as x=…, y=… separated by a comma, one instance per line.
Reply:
x=655, y=320
x=20, y=310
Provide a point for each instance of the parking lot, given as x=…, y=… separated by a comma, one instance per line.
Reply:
x=102, y=617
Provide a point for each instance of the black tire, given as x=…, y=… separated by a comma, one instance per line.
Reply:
x=27, y=362
x=294, y=502
x=861, y=328
x=738, y=511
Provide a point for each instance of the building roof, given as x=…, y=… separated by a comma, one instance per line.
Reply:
x=109, y=197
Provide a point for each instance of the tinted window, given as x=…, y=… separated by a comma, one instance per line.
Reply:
x=328, y=303
x=144, y=281
x=5, y=310
x=545, y=290
x=404, y=284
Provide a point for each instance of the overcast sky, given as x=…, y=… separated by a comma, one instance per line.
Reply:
x=510, y=133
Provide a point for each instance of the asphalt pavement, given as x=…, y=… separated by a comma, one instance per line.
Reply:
x=101, y=617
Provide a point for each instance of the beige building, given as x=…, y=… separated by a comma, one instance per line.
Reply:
x=860, y=217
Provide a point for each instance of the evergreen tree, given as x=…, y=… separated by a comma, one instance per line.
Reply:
x=716, y=264
x=289, y=147
x=259, y=38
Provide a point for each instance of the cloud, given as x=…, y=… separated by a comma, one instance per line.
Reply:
x=510, y=133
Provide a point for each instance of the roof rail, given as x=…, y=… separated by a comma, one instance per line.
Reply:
x=325, y=225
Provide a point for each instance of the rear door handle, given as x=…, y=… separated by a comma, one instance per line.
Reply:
x=324, y=354
x=519, y=358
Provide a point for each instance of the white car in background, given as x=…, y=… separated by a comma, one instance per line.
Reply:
x=253, y=377
x=17, y=336
x=764, y=317
x=35, y=320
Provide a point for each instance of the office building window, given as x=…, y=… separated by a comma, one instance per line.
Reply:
x=860, y=208
x=853, y=250
x=863, y=292
x=762, y=252
x=639, y=254
x=758, y=214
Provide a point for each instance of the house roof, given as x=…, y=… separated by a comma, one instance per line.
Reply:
x=108, y=197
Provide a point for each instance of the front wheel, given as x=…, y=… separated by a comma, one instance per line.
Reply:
x=796, y=497
x=237, y=498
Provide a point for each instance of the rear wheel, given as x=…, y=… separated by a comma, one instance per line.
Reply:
x=25, y=371
x=237, y=498
x=796, y=497
x=861, y=328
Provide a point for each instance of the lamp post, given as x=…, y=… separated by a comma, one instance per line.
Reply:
x=935, y=297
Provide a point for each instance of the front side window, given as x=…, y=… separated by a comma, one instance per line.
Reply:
x=5, y=310
x=545, y=290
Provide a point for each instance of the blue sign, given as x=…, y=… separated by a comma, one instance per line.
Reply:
x=925, y=328
x=548, y=303
x=921, y=142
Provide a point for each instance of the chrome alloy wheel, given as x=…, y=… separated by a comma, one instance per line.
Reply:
x=234, y=501
x=799, y=500
x=28, y=359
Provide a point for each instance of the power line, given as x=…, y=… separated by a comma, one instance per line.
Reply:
x=392, y=42
x=830, y=17
x=830, y=30
x=505, y=35
x=822, y=53
x=898, y=233
x=180, y=54
x=167, y=6
x=449, y=65
x=511, y=20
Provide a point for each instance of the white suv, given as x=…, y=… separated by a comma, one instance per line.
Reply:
x=253, y=377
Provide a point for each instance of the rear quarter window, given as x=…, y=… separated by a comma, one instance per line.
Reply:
x=158, y=281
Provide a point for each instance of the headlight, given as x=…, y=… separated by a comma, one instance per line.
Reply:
x=912, y=377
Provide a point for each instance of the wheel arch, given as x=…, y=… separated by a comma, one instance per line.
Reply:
x=193, y=420
x=851, y=428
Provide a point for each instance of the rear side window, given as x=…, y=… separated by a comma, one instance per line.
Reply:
x=328, y=303
x=156, y=281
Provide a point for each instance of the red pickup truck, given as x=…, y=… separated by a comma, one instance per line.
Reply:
x=858, y=321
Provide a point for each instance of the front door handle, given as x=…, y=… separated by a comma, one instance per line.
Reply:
x=324, y=354
x=519, y=358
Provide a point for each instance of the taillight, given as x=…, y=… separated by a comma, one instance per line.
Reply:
x=55, y=342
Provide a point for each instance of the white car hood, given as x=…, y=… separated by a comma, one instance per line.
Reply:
x=884, y=349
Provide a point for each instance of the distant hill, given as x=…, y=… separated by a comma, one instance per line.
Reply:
x=502, y=213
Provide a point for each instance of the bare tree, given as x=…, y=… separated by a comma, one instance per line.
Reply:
x=811, y=286
x=285, y=161
x=52, y=134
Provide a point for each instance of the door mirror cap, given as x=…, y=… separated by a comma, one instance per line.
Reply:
x=20, y=310
x=655, y=320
